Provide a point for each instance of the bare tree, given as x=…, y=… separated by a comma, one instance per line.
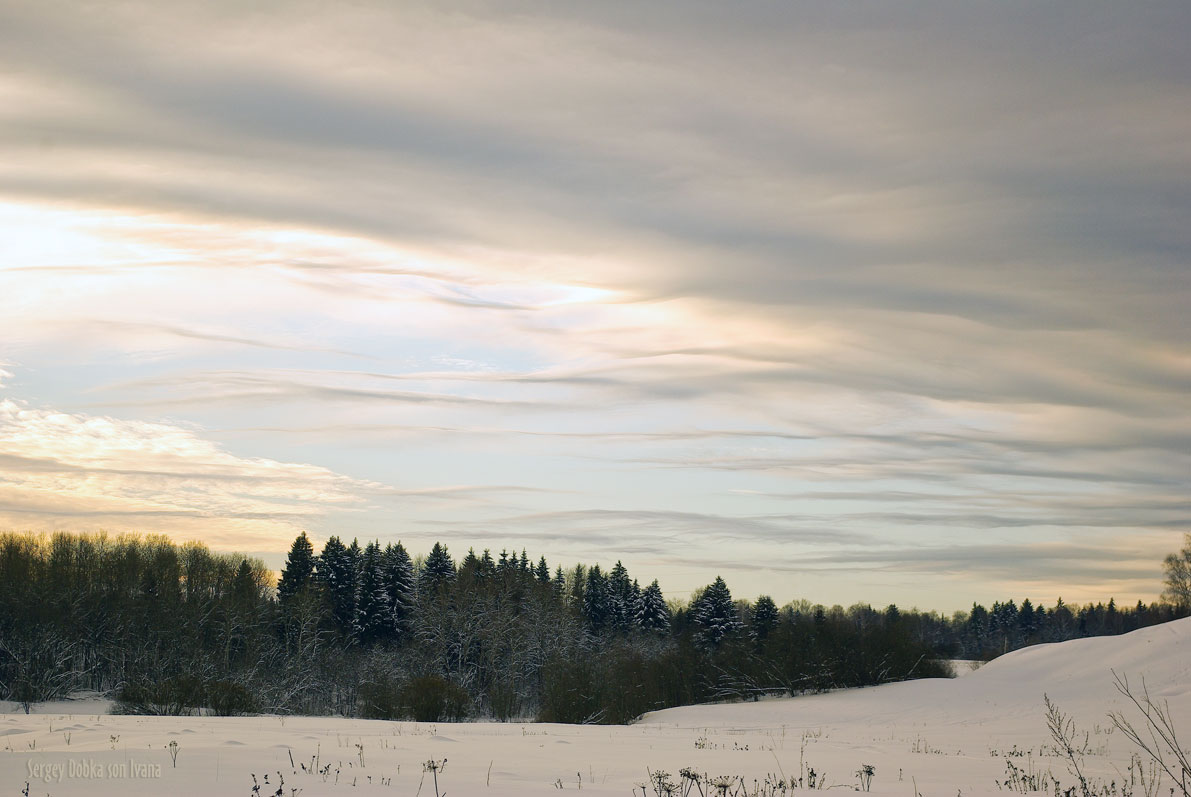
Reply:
x=1178, y=575
x=42, y=667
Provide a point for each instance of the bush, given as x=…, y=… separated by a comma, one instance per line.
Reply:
x=179, y=696
x=433, y=698
x=230, y=699
x=381, y=699
x=571, y=691
x=184, y=695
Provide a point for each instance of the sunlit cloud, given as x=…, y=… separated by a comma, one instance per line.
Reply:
x=64, y=470
x=608, y=280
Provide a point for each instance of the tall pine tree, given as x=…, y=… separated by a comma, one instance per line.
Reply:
x=487, y=566
x=374, y=609
x=715, y=614
x=245, y=591
x=577, y=581
x=596, y=600
x=620, y=598
x=469, y=568
x=438, y=571
x=653, y=615
x=299, y=569
x=402, y=588
x=763, y=619
x=337, y=572
x=559, y=585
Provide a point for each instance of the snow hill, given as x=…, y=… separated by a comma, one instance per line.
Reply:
x=1077, y=675
x=935, y=737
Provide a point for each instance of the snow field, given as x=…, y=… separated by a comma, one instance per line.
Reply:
x=938, y=737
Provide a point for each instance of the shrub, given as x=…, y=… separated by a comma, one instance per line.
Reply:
x=184, y=695
x=181, y=695
x=570, y=692
x=230, y=699
x=381, y=698
x=432, y=698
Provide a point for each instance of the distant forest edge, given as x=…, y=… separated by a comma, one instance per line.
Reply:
x=370, y=632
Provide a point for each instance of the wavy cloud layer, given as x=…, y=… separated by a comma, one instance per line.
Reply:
x=891, y=300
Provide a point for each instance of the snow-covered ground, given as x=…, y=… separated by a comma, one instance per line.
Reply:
x=942, y=737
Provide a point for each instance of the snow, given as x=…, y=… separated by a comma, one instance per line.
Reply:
x=79, y=703
x=942, y=737
x=962, y=667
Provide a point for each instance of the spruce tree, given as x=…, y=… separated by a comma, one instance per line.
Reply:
x=715, y=614
x=337, y=572
x=763, y=619
x=374, y=608
x=653, y=615
x=634, y=608
x=578, y=579
x=402, y=588
x=244, y=587
x=487, y=566
x=596, y=600
x=1027, y=619
x=559, y=585
x=542, y=571
x=620, y=598
x=438, y=571
x=299, y=569
x=469, y=568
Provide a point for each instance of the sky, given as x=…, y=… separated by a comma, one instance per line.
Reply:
x=849, y=302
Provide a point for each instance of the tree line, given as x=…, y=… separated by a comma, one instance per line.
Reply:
x=371, y=631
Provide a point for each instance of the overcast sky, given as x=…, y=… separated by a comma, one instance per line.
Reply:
x=845, y=301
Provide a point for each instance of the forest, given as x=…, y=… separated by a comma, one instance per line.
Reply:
x=370, y=631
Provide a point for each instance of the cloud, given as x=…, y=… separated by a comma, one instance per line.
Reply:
x=755, y=263
x=657, y=532
x=137, y=329
x=270, y=389
x=1045, y=564
x=1045, y=572
x=57, y=469
x=797, y=148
